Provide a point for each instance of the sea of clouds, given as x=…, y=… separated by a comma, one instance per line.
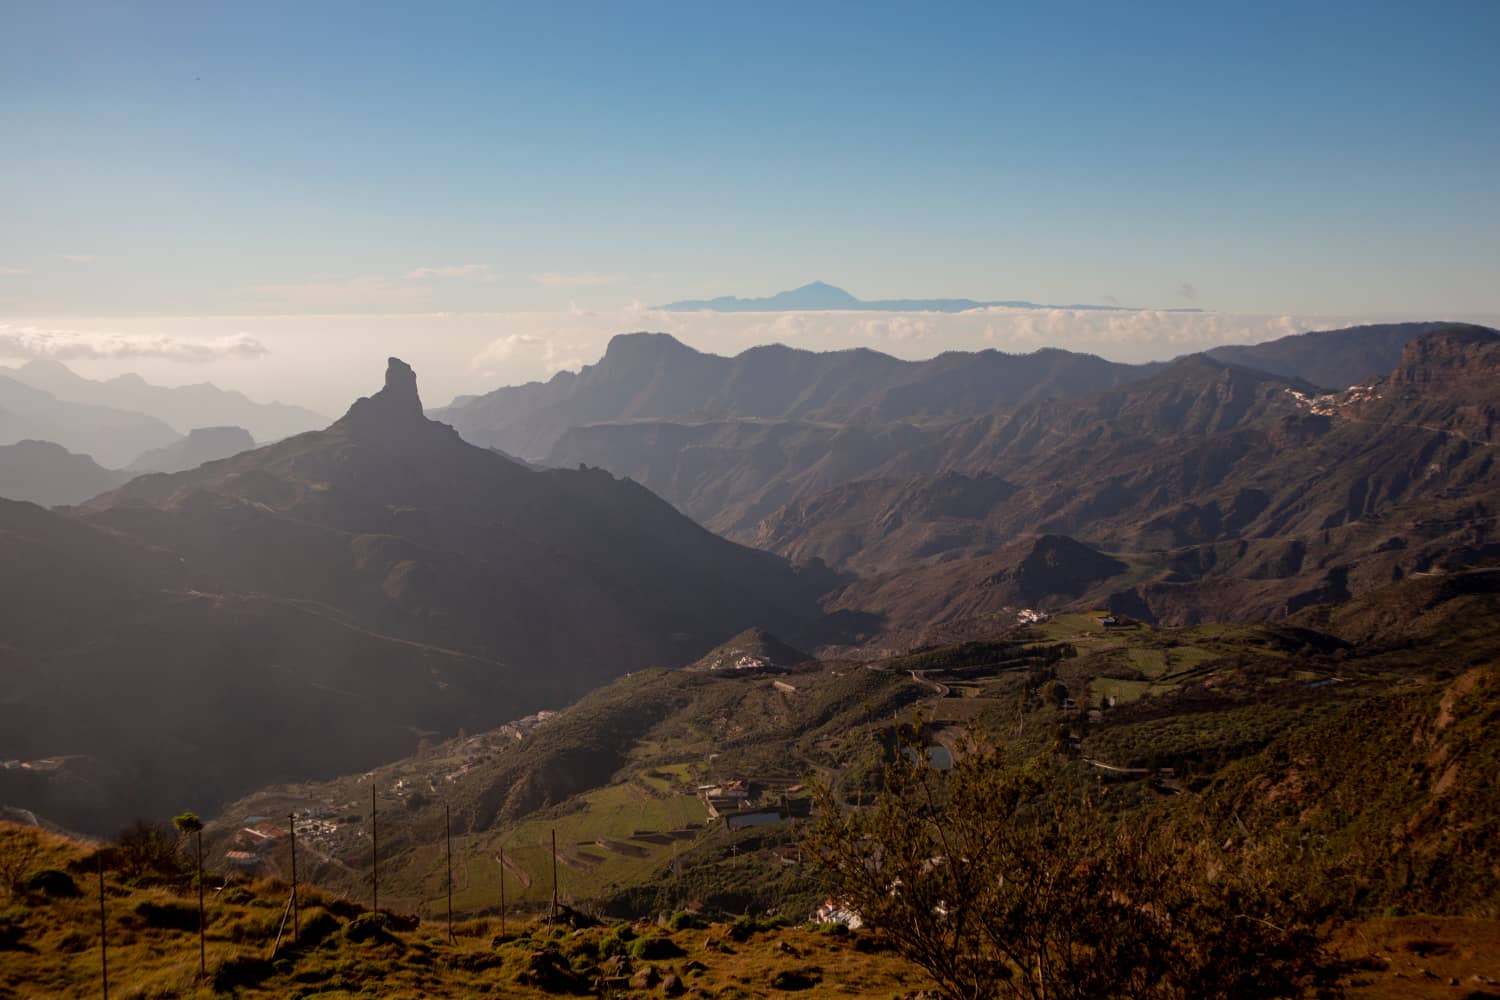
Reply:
x=325, y=361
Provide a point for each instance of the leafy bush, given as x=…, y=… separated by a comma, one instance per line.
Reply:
x=745, y=927
x=682, y=920
x=51, y=882
x=12, y=929
x=655, y=949
x=796, y=979
x=237, y=895
x=616, y=942
x=168, y=915
x=369, y=927
x=147, y=852
x=18, y=852
x=240, y=970
x=549, y=971
x=1004, y=877
x=317, y=926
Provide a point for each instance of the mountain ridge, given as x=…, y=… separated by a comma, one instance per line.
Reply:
x=655, y=376
x=182, y=407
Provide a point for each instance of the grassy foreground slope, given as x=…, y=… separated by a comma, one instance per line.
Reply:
x=50, y=933
x=50, y=930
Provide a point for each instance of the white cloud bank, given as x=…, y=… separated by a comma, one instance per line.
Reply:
x=536, y=345
x=32, y=343
x=467, y=272
x=553, y=279
x=325, y=359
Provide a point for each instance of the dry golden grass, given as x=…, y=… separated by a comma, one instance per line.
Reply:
x=153, y=948
x=49, y=948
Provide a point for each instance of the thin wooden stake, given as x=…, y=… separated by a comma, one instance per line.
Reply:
x=502, y=891
x=554, y=880
x=374, y=852
x=202, y=947
x=448, y=833
x=103, y=931
x=291, y=823
x=281, y=927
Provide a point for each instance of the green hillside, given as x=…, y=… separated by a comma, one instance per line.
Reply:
x=1270, y=725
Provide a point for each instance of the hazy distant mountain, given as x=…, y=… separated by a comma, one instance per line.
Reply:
x=653, y=376
x=821, y=296
x=112, y=437
x=184, y=407
x=44, y=473
x=202, y=444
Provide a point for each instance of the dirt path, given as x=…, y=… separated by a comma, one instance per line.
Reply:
x=514, y=869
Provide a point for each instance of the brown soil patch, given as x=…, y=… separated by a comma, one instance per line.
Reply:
x=1456, y=690
x=1415, y=958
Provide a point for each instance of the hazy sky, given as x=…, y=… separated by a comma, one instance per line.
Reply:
x=243, y=182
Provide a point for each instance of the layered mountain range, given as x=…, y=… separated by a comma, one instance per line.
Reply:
x=180, y=407
x=731, y=440
x=1224, y=493
x=65, y=438
x=1233, y=482
x=325, y=602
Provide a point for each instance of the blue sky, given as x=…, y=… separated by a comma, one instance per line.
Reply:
x=181, y=160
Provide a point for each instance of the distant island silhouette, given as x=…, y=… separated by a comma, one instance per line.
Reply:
x=821, y=296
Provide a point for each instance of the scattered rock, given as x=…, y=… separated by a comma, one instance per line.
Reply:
x=672, y=986
x=645, y=979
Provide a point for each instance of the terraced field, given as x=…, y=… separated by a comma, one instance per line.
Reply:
x=616, y=835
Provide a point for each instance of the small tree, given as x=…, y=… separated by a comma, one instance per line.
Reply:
x=1003, y=882
x=19, y=849
x=146, y=850
x=189, y=823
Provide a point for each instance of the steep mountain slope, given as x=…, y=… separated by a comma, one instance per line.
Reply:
x=44, y=473
x=1333, y=359
x=1057, y=466
x=653, y=377
x=183, y=407
x=1234, y=493
x=126, y=689
x=729, y=473
x=112, y=437
x=398, y=521
x=202, y=444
